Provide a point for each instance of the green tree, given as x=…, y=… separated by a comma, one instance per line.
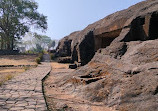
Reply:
x=16, y=18
x=43, y=40
x=34, y=42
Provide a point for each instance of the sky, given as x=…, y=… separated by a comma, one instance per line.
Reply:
x=67, y=16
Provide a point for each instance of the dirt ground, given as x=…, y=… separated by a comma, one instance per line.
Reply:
x=62, y=100
x=24, y=61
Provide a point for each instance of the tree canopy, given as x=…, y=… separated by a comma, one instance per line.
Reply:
x=16, y=18
x=35, y=42
x=52, y=44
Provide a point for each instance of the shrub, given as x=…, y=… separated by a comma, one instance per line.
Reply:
x=43, y=51
x=29, y=51
x=38, y=60
x=40, y=56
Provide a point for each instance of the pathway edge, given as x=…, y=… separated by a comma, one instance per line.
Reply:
x=43, y=88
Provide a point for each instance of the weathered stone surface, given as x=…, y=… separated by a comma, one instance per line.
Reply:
x=124, y=71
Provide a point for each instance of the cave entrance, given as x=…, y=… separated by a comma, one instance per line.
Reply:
x=104, y=40
x=153, y=29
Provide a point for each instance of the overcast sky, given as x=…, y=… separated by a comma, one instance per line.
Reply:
x=66, y=16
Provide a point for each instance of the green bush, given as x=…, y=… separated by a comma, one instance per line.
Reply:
x=38, y=60
x=40, y=56
x=30, y=52
x=43, y=52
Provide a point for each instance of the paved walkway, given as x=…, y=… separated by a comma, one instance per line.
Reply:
x=46, y=58
x=24, y=92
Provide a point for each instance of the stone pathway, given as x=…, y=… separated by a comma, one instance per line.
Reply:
x=46, y=58
x=24, y=92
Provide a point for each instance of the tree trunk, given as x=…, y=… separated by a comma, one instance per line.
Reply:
x=2, y=42
x=12, y=43
x=7, y=42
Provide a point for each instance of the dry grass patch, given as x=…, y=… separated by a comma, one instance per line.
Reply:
x=7, y=74
x=24, y=61
x=5, y=78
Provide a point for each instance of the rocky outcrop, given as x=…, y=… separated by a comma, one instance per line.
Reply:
x=135, y=23
x=123, y=76
x=124, y=70
x=64, y=46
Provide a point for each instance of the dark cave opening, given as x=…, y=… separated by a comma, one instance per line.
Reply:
x=137, y=31
x=102, y=42
x=153, y=30
x=92, y=43
x=106, y=42
x=105, y=39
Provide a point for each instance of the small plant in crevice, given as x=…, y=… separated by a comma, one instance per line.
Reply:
x=26, y=68
x=9, y=77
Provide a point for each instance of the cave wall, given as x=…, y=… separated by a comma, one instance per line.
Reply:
x=153, y=30
x=86, y=49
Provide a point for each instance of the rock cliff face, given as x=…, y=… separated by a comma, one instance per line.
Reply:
x=135, y=23
x=124, y=70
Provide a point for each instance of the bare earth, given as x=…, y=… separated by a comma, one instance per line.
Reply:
x=60, y=99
